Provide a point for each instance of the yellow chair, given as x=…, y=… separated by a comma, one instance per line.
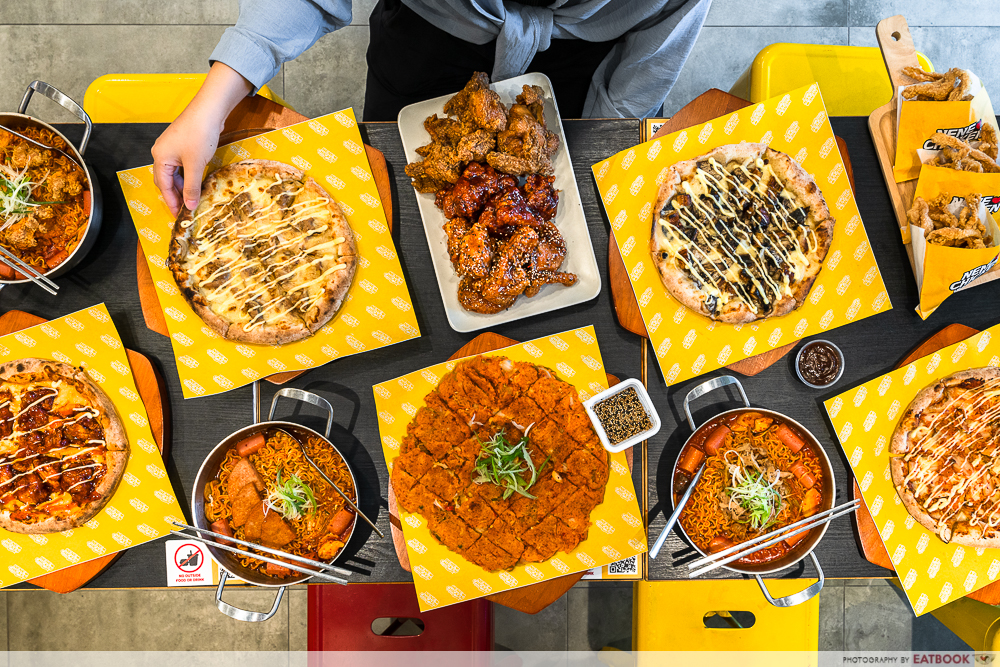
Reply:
x=853, y=79
x=146, y=98
x=976, y=623
x=672, y=616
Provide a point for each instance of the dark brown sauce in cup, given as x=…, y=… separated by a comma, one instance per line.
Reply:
x=819, y=363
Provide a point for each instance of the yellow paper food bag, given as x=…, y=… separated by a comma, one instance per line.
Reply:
x=942, y=270
x=917, y=120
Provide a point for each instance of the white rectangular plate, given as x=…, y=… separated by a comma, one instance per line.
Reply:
x=569, y=218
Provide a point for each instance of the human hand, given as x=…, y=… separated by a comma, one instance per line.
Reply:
x=181, y=153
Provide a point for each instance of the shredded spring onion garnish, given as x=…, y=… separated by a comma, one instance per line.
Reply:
x=292, y=498
x=760, y=497
x=504, y=464
x=15, y=195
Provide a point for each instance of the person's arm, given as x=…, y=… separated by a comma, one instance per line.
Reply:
x=634, y=79
x=190, y=141
x=267, y=34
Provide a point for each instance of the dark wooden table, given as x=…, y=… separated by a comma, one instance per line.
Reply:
x=108, y=275
x=871, y=346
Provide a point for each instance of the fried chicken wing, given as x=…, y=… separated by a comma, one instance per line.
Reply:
x=525, y=146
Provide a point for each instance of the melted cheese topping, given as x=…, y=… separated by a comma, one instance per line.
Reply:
x=733, y=233
x=259, y=262
x=952, y=466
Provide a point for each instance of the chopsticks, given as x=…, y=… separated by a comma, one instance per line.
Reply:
x=325, y=567
x=13, y=261
x=711, y=562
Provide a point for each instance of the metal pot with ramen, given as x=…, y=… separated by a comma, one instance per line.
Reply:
x=763, y=471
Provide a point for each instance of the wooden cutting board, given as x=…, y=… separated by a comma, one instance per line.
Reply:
x=528, y=599
x=898, y=52
x=705, y=107
x=153, y=391
x=868, y=535
x=251, y=117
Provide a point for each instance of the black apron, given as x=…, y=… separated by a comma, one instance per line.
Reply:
x=411, y=60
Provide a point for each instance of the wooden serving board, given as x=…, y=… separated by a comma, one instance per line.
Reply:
x=898, y=52
x=152, y=390
x=705, y=107
x=251, y=117
x=868, y=535
x=528, y=599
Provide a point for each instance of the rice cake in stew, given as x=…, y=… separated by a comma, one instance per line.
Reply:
x=433, y=474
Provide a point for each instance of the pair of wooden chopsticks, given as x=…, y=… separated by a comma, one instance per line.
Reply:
x=324, y=567
x=709, y=563
x=15, y=262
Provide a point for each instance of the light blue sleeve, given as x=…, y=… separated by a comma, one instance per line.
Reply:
x=634, y=79
x=271, y=32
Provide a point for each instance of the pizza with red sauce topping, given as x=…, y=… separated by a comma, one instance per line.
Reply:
x=63, y=448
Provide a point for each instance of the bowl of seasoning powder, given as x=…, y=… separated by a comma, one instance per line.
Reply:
x=819, y=364
x=623, y=415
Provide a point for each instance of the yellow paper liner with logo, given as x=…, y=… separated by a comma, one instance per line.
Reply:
x=917, y=121
x=443, y=577
x=931, y=572
x=144, y=503
x=377, y=311
x=941, y=271
x=848, y=288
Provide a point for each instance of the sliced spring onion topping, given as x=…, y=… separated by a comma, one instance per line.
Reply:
x=504, y=464
x=292, y=498
x=760, y=497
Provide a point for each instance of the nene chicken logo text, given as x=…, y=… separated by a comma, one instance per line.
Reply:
x=972, y=274
x=991, y=202
x=968, y=133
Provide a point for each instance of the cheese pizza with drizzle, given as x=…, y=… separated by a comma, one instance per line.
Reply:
x=740, y=234
x=945, y=458
x=63, y=448
x=267, y=256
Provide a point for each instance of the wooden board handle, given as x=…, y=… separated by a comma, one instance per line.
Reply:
x=897, y=47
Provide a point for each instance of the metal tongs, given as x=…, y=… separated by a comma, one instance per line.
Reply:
x=322, y=567
x=329, y=481
x=16, y=263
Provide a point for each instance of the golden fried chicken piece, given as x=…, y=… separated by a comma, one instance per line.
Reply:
x=525, y=146
x=485, y=111
x=21, y=234
x=469, y=137
x=28, y=157
x=62, y=185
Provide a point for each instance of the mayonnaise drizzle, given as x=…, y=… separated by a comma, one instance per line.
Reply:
x=249, y=281
x=959, y=436
x=724, y=256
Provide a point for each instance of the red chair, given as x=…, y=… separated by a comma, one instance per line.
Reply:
x=340, y=619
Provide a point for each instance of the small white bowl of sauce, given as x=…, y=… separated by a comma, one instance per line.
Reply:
x=819, y=364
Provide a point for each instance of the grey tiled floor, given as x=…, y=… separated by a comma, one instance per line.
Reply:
x=67, y=44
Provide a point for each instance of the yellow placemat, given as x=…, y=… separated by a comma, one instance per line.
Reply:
x=377, y=311
x=144, y=502
x=848, y=288
x=442, y=577
x=932, y=573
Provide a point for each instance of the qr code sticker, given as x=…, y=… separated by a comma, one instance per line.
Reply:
x=627, y=566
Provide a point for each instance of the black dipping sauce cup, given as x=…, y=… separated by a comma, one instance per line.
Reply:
x=839, y=362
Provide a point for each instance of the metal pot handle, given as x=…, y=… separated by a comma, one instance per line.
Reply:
x=708, y=386
x=305, y=397
x=243, y=614
x=63, y=100
x=801, y=596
